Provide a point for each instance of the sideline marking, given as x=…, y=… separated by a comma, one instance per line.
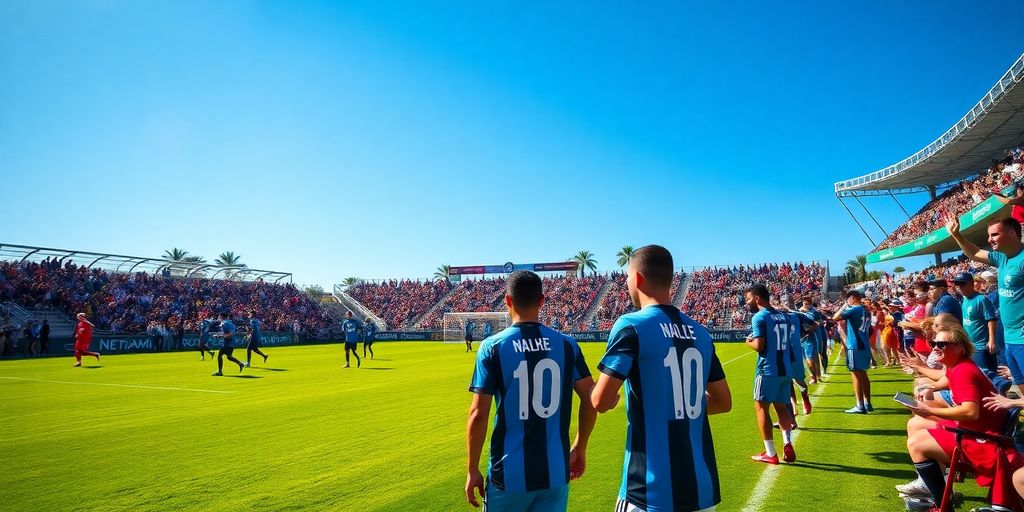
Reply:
x=118, y=385
x=764, y=485
x=738, y=357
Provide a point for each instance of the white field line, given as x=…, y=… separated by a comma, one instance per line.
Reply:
x=162, y=388
x=764, y=485
x=738, y=357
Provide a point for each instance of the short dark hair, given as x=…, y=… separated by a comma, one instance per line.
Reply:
x=655, y=263
x=853, y=293
x=525, y=289
x=1007, y=223
x=808, y=301
x=760, y=291
x=224, y=314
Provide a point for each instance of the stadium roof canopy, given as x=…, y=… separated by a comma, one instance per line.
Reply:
x=996, y=123
x=127, y=264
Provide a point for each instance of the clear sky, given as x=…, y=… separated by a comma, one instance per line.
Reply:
x=382, y=139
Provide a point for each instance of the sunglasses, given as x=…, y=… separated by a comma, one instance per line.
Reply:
x=941, y=345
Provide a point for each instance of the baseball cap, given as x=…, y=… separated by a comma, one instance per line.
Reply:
x=938, y=281
x=963, y=277
x=988, y=274
x=896, y=302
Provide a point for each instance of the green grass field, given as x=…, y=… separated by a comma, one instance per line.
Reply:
x=159, y=433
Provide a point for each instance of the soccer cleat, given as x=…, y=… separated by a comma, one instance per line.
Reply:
x=920, y=504
x=76, y=365
x=868, y=408
x=240, y=368
x=856, y=410
x=265, y=359
x=807, y=404
x=763, y=457
x=346, y=366
x=788, y=453
x=914, y=488
x=247, y=364
x=217, y=374
x=97, y=356
x=359, y=362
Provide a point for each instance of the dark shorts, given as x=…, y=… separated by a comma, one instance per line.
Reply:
x=368, y=342
x=469, y=339
x=226, y=350
x=253, y=343
x=350, y=345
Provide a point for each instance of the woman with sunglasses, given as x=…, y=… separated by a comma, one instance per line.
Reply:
x=930, y=449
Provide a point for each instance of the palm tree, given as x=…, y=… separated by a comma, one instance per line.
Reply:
x=175, y=254
x=624, y=255
x=856, y=269
x=229, y=259
x=350, y=281
x=199, y=260
x=586, y=260
x=899, y=270
x=443, y=273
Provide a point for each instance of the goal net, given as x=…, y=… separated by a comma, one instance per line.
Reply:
x=481, y=325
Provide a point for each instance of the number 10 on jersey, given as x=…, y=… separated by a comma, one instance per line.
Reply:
x=687, y=382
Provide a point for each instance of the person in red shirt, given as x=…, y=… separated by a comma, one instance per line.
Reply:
x=83, y=337
x=932, y=448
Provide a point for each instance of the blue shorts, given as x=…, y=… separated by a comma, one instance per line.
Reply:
x=858, y=359
x=1015, y=361
x=772, y=389
x=810, y=349
x=947, y=396
x=548, y=500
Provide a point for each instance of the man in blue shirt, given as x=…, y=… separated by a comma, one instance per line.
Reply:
x=857, y=348
x=979, y=322
x=811, y=341
x=227, y=333
x=351, y=327
x=254, y=339
x=1007, y=255
x=206, y=325
x=369, y=331
x=943, y=302
x=488, y=330
x=673, y=381
x=992, y=292
x=770, y=337
x=531, y=371
x=470, y=325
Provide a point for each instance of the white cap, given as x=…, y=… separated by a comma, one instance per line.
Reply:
x=988, y=274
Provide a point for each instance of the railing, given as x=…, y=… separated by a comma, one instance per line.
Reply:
x=1007, y=82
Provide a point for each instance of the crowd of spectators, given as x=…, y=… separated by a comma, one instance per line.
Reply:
x=400, y=302
x=130, y=303
x=715, y=296
x=617, y=302
x=891, y=286
x=469, y=296
x=959, y=199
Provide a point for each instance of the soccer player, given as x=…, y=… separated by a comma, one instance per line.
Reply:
x=488, y=330
x=369, y=331
x=811, y=341
x=673, y=380
x=771, y=337
x=351, y=327
x=205, y=326
x=227, y=333
x=83, y=337
x=858, y=352
x=470, y=325
x=801, y=326
x=532, y=371
x=254, y=339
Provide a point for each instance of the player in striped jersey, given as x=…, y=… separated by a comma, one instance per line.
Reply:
x=858, y=351
x=813, y=341
x=673, y=381
x=770, y=337
x=531, y=371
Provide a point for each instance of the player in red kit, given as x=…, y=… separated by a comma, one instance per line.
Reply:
x=83, y=337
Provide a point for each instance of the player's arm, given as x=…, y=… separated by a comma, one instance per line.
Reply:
x=606, y=393
x=585, y=426
x=718, y=395
x=756, y=340
x=970, y=250
x=476, y=433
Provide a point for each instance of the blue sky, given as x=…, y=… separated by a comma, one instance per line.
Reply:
x=382, y=139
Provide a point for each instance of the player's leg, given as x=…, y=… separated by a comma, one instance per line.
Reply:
x=347, y=349
x=556, y=499
x=928, y=457
x=764, y=391
x=220, y=362
x=78, y=357
x=229, y=352
x=202, y=350
x=787, y=422
x=355, y=353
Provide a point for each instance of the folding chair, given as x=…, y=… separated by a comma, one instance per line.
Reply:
x=959, y=465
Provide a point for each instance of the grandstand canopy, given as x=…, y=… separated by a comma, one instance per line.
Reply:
x=993, y=125
x=126, y=264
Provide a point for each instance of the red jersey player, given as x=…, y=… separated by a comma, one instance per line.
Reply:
x=83, y=337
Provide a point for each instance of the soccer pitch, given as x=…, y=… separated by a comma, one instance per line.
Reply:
x=157, y=432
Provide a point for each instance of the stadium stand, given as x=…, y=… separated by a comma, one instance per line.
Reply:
x=400, y=302
x=126, y=303
x=959, y=198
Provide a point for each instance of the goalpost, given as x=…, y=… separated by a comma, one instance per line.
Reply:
x=455, y=325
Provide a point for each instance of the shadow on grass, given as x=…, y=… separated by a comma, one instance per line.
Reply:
x=269, y=369
x=92, y=367
x=907, y=473
x=891, y=457
x=244, y=376
x=898, y=432
x=876, y=412
x=378, y=368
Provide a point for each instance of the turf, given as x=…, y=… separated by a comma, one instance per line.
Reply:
x=302, y=433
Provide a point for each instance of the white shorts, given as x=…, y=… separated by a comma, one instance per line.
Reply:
x=625, y=506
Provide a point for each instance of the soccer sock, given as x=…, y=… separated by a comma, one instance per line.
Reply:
x=346, y=357
x=787, y=436
x=801, y=385
x=769, y=448
x=931, y=475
